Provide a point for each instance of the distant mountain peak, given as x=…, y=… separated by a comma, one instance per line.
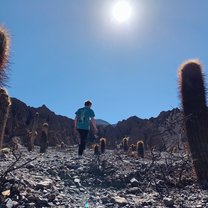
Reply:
x=100, y=122
x=44, y=106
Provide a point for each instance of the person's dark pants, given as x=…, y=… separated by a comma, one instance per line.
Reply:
x=83, y=137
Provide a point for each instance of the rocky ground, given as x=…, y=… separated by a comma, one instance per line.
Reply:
x=59, y=179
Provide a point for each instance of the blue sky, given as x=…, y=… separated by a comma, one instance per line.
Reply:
x=66, y=51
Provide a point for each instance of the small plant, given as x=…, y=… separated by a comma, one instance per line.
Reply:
x=133, y=147
x=96, y=149
x=4, y=179
x=15, y=143
x=4, y=53
x=130, y=152
x=5, y=104
x=33, y=133
x=193, y=97
x=140, y=149
x=102, y=145
x=44, y=138
x=125, y=144
x=63, y=145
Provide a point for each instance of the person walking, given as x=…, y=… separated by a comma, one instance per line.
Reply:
x=82, y=121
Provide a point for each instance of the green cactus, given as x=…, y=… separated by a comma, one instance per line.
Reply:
x=4, y=53
x=96, y=149
x=4, y=112
x=102, y=145
x=44, y=138
x=33, y=133
x=125, y=144
x=140, y=149
x=192, y=91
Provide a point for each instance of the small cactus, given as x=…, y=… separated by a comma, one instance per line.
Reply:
x=133, y=147
x=4, y=53
x=102, y=145
x=125, y=144
x=140, y=149
x=15, y=143
x=33, y=133
x=44, y=138
x=63, y=145
x=4, y=113
x=193, y=96
x=96, y=149
x=130, y=152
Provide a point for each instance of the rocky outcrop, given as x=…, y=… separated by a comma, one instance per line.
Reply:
x=21, y=119
x=164, y=131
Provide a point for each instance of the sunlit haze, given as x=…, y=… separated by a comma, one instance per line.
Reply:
x=122, y=11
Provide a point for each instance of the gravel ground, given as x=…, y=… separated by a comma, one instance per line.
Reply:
x=59, y=178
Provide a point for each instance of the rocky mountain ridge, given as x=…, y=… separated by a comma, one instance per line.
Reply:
x=166, y=130
x=21, y=119
x=153, y=131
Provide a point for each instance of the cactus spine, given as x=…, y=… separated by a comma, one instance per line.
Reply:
x=4, y=98
x=125, y=144
x=193, y=92
x=4, y=53
x=140, y=149
x=4, y=113
x=44, y=138
x=33, y=133
x=102, y=145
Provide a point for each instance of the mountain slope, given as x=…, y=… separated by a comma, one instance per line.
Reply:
x=154, y=131
x=21, y=119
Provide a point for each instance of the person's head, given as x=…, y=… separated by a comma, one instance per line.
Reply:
x=88, y=103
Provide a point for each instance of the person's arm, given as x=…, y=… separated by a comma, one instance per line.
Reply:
x=94, y=125
x=75, y=123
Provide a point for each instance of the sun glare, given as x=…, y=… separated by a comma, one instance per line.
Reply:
x=122, y=11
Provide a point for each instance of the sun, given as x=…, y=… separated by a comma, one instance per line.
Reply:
x=122, y=11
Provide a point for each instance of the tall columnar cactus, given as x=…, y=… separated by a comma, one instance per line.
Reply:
x=140, y=149
x=96, y=149
x=102, y=145
x=4, y=112
x=193, y=97
x=4, y=53
x=33, y=133
x=125, y=144
x=44, y=138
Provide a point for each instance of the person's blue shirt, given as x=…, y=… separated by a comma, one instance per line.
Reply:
x=83, y=118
